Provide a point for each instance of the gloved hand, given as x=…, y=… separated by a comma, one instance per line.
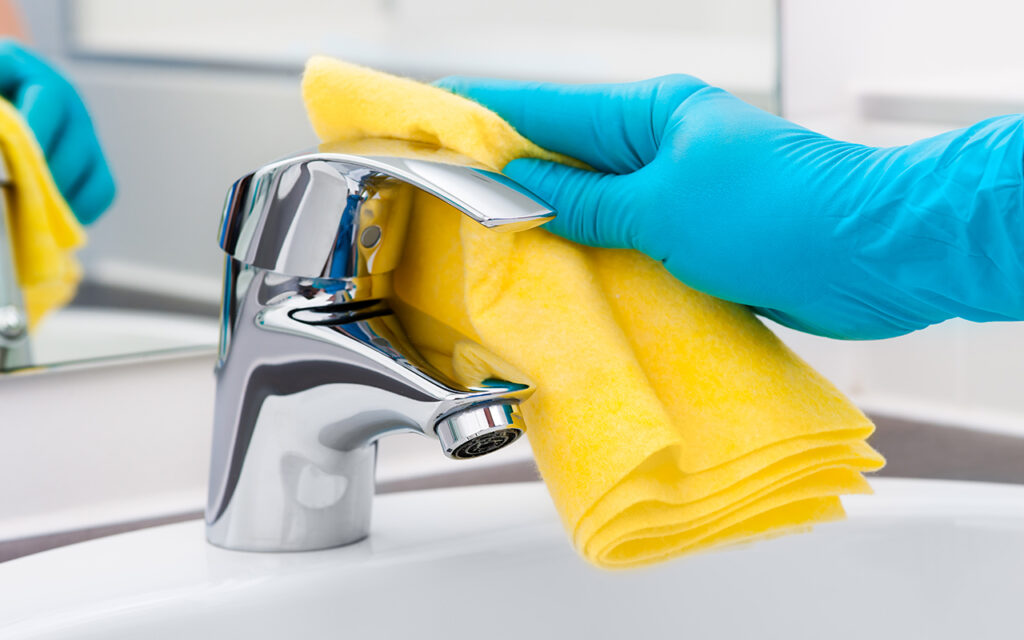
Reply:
x=61, y=124
x=824, y=236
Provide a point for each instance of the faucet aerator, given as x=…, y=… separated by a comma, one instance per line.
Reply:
x=479, y=431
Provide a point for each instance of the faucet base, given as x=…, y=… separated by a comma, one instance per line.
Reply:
x=303, y=503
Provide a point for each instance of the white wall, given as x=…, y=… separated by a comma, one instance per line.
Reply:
x=729, y=41
x=947, y=60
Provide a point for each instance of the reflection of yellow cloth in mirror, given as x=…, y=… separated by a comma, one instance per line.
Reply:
x=44, y=231
x=665, y=421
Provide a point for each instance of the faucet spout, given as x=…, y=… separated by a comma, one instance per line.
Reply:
x=314, y=366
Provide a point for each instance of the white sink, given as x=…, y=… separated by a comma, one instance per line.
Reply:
x=921, y=559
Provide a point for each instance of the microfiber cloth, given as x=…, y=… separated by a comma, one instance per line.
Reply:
x=664, y=421
x=44, y=231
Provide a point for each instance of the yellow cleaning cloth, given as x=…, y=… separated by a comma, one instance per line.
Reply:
x=44, y=231
x=665, y=421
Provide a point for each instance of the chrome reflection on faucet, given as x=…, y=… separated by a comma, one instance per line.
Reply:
x=314, y=367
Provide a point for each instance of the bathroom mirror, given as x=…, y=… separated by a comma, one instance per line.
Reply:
x=187, y=95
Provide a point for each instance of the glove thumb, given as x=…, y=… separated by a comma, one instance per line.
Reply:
x=588, y=205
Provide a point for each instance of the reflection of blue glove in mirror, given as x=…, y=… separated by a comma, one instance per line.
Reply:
x=61, y=124
x=824, y=236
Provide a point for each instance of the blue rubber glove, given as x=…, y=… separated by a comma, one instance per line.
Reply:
x=824, y=236
x=61, y=124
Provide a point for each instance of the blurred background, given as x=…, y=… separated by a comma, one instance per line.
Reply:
x=188, y=95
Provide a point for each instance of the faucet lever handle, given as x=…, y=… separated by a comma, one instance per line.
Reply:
x=301, y=216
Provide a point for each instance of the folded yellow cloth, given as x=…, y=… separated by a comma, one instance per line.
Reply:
x=665, y=421
x=44, y=231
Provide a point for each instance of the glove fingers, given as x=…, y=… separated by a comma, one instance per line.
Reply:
x=608, y=126
x=93, y=196
x=589, y=204
x=45, y=112
x=72, y=158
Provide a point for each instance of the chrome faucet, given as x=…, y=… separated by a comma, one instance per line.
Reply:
x=314, y=366
x=15, y=351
